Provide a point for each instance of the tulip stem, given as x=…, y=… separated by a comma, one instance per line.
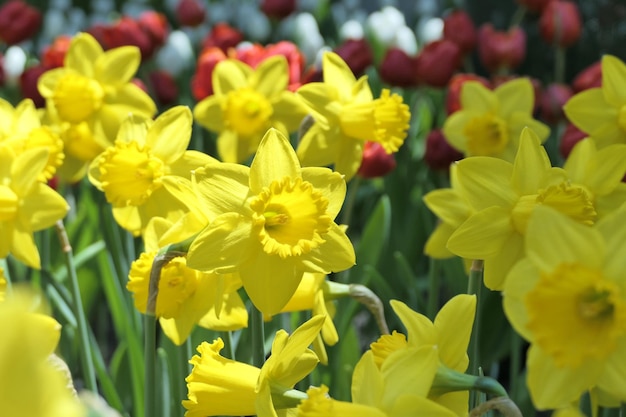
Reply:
x=516, y=361
x=86, y=360
x=258, y=337
x=474, y=286
x=348, y=207
x=150, y=361
x=433, y=289
x=559, y=64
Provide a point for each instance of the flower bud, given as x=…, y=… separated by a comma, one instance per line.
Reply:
x=376, y=162
x=223, y=37
x=439, y=154
x=18, y=21
x=357, y=53
x=459, y=28
x=590, y=77
x=164, y=87
x=202, y=81
x=278, y=9
x=127, y=31
x=437, y=62
x=397, y=68
x=501, y=50
x=190, y=12
x=560, y=23
x=453, y=97
x=570, y=137
x=551, y=101
x=154, y=25
x=28, y=84
x=53, y=55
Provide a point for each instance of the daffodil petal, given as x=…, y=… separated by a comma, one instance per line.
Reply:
x=322, y=101
x=521, y=279
x=497, y=267
x=478, y=98
x=579, y=160
x=553, y=238
x=221, y=245
x=189, y=162
x=436, y=245
x=233, y=315
x=334, y=255
x=515, y=95
x=289, y=109
x=518, y=121
x=367, y=381
x=221, y=188
x=330, y=184
x=178, y=329
x=228, y=147
x=263, y=405
x=414, y=405
x=169, y=136
x=23, y=248
x=25, y=169
x=350, y=156
x=608, y=169
x=486, y=182
x=453, y=325
x=117, y=66
x=589, y=111
x=483, y=234
x=454, y=128
x=42, y=208
x=337, y=74
x=271, y=76
x=420, y=329
x=6, y=230
x=269, y=281
x=275, y=159
x=230, y=75
x=317, y=147
x=409, y=371
x=613, y=379
x=613, y=80
x=531, y=164
x=83, y=52
x=128, y=218
x=553, y=387
x=613, y=232
x=208, y=113
x=448, y=205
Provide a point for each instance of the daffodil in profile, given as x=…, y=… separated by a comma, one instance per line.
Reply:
x=277, y=223
x=26, y=204
x=489, y=123
x=131, y=172
x=567, y=299
x=346, y=116
x=504, y=196
x=221, y=386
x=21, y=129
x=185, y=297
x=601, y=112
x=30, y=385
x=246, y=102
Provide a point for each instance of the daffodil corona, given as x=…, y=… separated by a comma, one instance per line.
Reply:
x=277, y=222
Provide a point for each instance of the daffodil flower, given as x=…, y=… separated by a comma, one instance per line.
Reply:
x=221, y=386
x=346, y=116
x=601, y=112
x=131, y=172
x=276, y=222
x=186, y=297
x=246, y=103
x=489, y=123
x=26, y=204
x=504, y=196
x=30, y=385
x=567, y=299
x=21, y=129
x=91, y=95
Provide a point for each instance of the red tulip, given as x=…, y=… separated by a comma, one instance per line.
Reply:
x=18, y=21
x=190, y=12
x=453, y=98
x=459, y=28
x=397, y=68
x=278, y=8
x=202, y=80
x=501, y=50
x=164, y=87
x=53, y=55
x=551, y=101
x=437, y=62
x=222, y=36
x=28, y=84
x=376, y=162
x=590, y=77
x=357, y=54
x=560, y=23
x=570, y=137
x=439, y=154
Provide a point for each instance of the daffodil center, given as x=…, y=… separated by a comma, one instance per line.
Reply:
x=79, y=143
x=487, y=135
x=572, y=200
x=247, y=112
x=129, y=174
x=290, y=216
x=621, y=117
x=176, y=285
x=384, y=120
x=36, y=138
x=576, y=314
x=8, y=203
x=77, y=97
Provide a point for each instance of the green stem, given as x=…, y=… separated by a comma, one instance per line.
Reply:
x=83, y=331
x=433, y=293
x=229, y=348
x=518, y=16
x=150, y=365
x=516, y=363
x=474, y=286
x=184, y=369
x=559, y=64
x=348, y=206
x=258, y=337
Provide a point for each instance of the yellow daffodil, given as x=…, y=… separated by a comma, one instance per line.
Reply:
x=449, y=333
x=489, y=123
x=567, y=299
x=220, y=386
x=504, y=196
x=276, y=222
x=21, y=129
x=91, y=95
x=310, y=295
x=452, y=209
x=3, y=285
x=346, y=116
x=131, y=172
x=30, y=386
x=398, y=388
x=246, y=103
x=601, y=112
x=26, y=204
